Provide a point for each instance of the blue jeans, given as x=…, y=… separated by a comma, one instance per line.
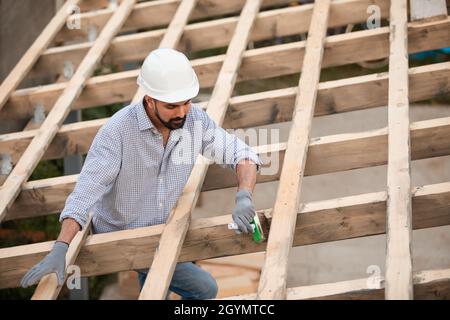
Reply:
x=189, y=281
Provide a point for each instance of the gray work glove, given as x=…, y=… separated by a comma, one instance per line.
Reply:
x=244, y=211
x=55, y=261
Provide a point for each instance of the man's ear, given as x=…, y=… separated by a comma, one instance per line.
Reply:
x=153, y=103
x=150, y=102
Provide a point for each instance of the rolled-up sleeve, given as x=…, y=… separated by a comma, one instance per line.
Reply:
x=99, y=172
x=224, y=148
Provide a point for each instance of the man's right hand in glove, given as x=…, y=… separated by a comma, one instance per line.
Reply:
x=244, y=211
x=55, y=261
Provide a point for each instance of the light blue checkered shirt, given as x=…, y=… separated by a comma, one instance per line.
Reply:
x=130, y=180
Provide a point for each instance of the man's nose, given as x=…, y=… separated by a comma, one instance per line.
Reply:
x=183, y=110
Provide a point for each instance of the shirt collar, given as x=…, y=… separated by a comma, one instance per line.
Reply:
x=144, y=121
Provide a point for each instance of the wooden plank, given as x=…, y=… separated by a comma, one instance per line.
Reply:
x=272, y=284
x=96, y=5
x=161, y=13
x=48, y=288
x=179, y=21
x=155, y=287
x=173, y=33
x=55, y=118
x=339, y=50
x=428, y=9
x=210, y=34
x=25, y=64
x=262, y=108
x=399, y=231
x=327, y=154
x=428, y=284
x=164, y=10
x=318, y=222
x=171, y=242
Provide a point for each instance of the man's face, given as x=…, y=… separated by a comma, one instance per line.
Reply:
x=172, y=115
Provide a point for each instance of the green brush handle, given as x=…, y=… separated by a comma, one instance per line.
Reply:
x=257, y=237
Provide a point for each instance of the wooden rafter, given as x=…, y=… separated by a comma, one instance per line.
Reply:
x=162, y=13
x=356, y=150
x=364, y=215
x=340, y=50
x=209, y=34
x=170, y=244
x=48, y=288
x=429, y=284
x=368, y=91
x=398, y=229
x=272, y=284
x=154, y=286
x=173, y=33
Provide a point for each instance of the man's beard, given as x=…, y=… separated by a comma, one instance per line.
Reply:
x=172, y=124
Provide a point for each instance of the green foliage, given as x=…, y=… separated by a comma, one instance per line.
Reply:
x=100, y=112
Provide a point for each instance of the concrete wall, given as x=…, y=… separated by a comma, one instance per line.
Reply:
x=21, y=21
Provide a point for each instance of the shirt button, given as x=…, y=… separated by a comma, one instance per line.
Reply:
x=161, y=180
x=160, y=204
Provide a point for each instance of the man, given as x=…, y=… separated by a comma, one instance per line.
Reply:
x=139, y=163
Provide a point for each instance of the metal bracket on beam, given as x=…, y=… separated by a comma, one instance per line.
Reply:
x=68, y=70
x=6, y=164
x=39, y=114
x=92, y=33
x=112, y=4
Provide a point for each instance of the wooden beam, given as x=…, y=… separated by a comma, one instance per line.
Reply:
x=257, y=64
x=327, y=154
x=429, y=284
x=426, y=82
x=262, y=108
x=317, y=222
x=97, y=5
x=210, y=34
x=428, y=9
x=155, y=287
x=398, y=230
x=30, y=158
x=173, y=33
x=171, y=242
x=41, y=43
x=161, y=13
x=176, y=27
x=272, y=284
x=48, y=288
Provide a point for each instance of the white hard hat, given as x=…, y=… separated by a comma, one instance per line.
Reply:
x=167, y=76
